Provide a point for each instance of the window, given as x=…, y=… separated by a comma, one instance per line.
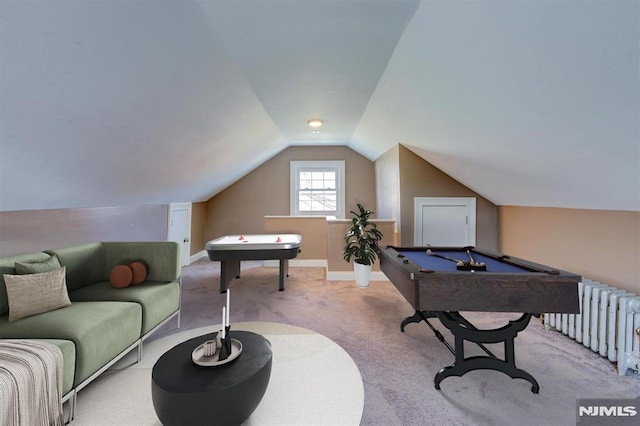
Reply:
x=317, y=188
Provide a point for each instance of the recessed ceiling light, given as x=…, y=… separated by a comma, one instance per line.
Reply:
x=315, y=132
x=315, y=123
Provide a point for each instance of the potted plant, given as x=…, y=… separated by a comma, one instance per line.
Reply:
x=361, y=244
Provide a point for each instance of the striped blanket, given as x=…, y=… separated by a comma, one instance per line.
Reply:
x=30, y=383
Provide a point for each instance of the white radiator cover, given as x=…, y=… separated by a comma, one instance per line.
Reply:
x=608, y=323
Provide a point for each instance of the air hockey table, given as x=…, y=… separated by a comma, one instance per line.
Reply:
x=231, y=249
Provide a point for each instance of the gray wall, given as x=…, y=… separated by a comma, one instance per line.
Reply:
x=36, y=230
x=388, y=186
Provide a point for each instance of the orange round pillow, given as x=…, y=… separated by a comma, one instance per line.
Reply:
x=120, y=276
x=139, y=270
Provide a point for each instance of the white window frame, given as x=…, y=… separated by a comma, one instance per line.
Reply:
x=298, y=166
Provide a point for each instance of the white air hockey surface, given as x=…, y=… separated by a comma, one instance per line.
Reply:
x=255, y=242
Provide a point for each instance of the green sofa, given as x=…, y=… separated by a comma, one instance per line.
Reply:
x=102, y=323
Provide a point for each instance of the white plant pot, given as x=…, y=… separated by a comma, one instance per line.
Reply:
x=362, y=273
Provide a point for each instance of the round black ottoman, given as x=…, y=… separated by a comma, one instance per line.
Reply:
x=188, y=394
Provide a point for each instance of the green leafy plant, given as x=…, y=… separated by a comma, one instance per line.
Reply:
x=362, y=238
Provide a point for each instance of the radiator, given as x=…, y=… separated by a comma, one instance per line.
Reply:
x=608, y=323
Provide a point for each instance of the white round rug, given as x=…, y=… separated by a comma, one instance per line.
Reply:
x=313, y=382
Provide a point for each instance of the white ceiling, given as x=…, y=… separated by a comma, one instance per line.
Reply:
x=106, y=103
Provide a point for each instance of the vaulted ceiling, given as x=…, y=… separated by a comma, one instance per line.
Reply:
x=110, y=103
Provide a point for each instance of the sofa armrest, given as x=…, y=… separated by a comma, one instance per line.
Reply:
x=162, y=257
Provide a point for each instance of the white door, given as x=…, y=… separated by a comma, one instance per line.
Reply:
x=180, y=228
x=448, y=221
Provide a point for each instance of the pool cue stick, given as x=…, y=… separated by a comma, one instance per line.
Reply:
x=430, y=253
x=473, y=261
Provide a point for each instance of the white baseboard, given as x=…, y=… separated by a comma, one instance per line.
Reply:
x=199, y=255
x=350, y=276
x=300, y=263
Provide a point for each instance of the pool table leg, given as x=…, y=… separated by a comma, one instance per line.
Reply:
x=417, y=317
x=229, y=269
x=459, y=327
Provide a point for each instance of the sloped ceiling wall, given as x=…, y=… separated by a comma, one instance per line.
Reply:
x=107, y=103
x=122, y=103
x=526, y=102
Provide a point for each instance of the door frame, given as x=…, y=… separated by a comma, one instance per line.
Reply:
x=469, y=202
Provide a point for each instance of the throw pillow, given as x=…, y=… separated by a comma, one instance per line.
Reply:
x=139, y=270
x=33, y=294
x=121, y=276
x=33, y=268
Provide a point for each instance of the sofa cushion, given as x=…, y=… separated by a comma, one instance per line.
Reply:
x=68, y=361
x=33, y=294
x=34, y=267
x=84, y=262
x=7, y=266
x=99, y=330
x=162, y=257
x=158, y=299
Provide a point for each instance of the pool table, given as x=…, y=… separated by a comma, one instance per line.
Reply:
x=231, y=249
x=442, y=281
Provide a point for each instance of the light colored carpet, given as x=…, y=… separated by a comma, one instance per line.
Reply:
x=397, y=368
x=313, y=381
